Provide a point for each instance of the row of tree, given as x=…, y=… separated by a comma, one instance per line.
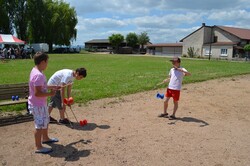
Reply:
x=132, y=39
x=39, y=21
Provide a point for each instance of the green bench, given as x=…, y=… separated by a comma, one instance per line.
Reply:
x=8, y=90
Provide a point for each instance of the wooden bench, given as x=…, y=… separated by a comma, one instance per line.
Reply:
x=8, y=90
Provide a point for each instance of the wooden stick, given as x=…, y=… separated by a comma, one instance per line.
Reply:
x=160, y=83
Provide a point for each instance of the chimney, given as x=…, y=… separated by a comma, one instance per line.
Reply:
x=203, y=24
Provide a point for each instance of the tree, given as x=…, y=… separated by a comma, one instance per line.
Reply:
x=143, y=39
x=21, y=19
x=247, y=47
x=36, y=27
x=247, y=50
x=62, y=23
x=132, y=39
x=115, y=40
x=52, y=22
x=6, y=16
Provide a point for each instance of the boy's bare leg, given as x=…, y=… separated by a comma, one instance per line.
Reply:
x=175, y=107
x=45, y=135
x=38, y=137
x=50, y=110
x=62, y=112
x=166, y=105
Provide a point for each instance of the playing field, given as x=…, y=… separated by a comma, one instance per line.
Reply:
x=212, y=129
x=117, y=75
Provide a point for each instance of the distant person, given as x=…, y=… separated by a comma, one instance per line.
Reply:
x=31, y=52
x=63, y=78
x=12, y=53
x=37, y=101
x=175, y=78
x=22, y=53
x=5, y=52
x=1, y=54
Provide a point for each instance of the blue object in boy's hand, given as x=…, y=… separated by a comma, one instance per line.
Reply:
x=13, y=97
x=159, y=96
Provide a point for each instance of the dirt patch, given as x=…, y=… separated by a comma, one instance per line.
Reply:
x=212, y=129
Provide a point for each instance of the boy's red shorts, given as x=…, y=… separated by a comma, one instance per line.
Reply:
x=173, y=93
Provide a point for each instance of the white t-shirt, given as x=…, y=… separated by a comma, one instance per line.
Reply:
x=61, y=76
x=176, y=78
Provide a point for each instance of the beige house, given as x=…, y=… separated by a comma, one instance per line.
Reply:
x=217, y=42
x=165, y=49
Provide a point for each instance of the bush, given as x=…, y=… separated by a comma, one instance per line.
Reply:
x=192, y=53
x=247, y=47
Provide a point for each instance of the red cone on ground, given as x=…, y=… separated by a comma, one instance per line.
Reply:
x=85, y=121
x=81, y=123
x=66, y=101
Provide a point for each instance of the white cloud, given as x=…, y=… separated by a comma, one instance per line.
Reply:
x=103, y=23
x=241, y=18
x=125, y=7
x=164, y=20
x=233, y=15
x=168, y=35
x=140, y=7
x=167, y=21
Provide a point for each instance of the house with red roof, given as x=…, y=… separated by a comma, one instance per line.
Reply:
x=217, y=42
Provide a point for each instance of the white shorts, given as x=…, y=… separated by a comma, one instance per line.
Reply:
x=40, y=115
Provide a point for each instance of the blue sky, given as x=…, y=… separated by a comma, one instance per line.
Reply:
x=165, y=21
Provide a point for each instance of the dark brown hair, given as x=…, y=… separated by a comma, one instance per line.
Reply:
x=39, y=57
x=82, y=72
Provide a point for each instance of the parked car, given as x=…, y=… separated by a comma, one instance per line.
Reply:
x=72, y=49
x=60, y=50
x=44, y=47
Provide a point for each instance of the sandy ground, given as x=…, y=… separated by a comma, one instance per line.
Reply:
x=212, y=129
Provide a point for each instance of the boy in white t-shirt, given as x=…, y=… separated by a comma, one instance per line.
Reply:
x=63, y=78
x=176, y=75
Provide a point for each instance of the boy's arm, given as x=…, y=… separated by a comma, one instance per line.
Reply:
x=40, y=93
x=63, y=92
x=186, y=73
x=69, y=87
x=166, y=80
x=54, y=87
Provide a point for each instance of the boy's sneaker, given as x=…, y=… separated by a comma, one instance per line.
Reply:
x=64, y=121
x=164, y=115
x=52, y=120
x=44, y=150
x=172, y=117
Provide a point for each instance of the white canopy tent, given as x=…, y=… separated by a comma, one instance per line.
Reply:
x=10, y=39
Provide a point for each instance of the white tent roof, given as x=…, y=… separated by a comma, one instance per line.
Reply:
x=10, y=39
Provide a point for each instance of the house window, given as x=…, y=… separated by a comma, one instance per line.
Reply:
x=207, y=50
x=215, y=39
x=223, y=52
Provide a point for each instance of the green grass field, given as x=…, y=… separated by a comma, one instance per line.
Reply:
x=117, y=75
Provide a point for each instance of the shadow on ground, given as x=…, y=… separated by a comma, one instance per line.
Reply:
x=69, y=152
x=189, y=119
x=87, y=127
